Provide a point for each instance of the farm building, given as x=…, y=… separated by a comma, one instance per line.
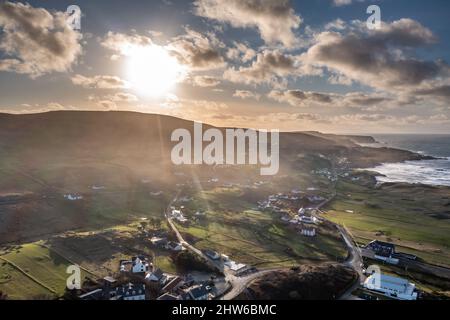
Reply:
x=383, y=251
x=393, y=287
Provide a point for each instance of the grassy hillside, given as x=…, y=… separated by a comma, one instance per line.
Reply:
x=413, y=217
x=32, y=271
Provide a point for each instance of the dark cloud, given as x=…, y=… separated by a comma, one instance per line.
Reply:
x=269, y=67
x=298, y=98
x=197, y=50
x=380, y=59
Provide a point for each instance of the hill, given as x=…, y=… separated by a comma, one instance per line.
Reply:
x=115, y=159
x=309, y=282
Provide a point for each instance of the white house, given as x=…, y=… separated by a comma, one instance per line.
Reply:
x=308, y=219
x=308, y=232
x=301, y=211
x=236, y=267
x=139, y=265
x=73, y=197
x=178, y=215
x=393, y=287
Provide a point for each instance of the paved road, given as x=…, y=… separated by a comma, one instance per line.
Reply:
x=238, y=284
x=354, y=259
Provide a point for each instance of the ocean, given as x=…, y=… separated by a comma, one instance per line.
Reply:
x=431, y=172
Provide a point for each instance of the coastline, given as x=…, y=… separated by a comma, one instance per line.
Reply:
x=423, y=169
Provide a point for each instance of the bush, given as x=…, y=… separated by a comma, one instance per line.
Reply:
x=187, y=261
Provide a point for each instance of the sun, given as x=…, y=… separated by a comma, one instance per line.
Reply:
x=152, y=71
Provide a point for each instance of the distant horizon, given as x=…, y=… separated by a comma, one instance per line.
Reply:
x=231, y=126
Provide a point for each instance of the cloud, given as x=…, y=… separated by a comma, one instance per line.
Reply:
x=99, y=82
x=205, y=81
x=122, y=43
x=274, y=19
x=382, y=59
x=340, y=3
x=438, y=92
x=35, y=41
x=241, y=52
x=198, y=51
x=299, y=98
x=245, y=94
x=194, y=49
x=107, y=105
x=270, y=67
x=123, y=97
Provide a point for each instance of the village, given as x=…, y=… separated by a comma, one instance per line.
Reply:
x=137, y=278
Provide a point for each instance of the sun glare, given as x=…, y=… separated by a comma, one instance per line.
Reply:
x=152, y=70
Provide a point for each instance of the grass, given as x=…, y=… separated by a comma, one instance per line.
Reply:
x=405, y=219
x=253, y=237
x=34, y=271
x=18, y=286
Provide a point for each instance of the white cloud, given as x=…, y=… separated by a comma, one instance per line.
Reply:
x=99, y=82
x=35, y=41
x=245, y=94
x=274, y=19
x=205, y=81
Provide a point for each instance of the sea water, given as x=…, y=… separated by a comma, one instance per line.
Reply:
x=432, y=172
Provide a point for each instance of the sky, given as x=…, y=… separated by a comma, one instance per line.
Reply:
x=265, y=64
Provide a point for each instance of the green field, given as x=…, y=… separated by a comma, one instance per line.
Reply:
x=405, y=216
x=32, y=271
x=257, y=238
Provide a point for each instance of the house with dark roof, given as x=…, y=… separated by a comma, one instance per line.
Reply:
x=383, y=251
x=211, y=254
x=174, y=246
x=199, y=293
x=131, y=292
x=156, y=276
